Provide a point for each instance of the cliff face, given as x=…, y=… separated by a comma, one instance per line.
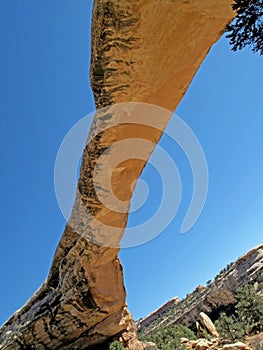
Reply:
x=217, y=296
x=143, y=51
x=163, y=310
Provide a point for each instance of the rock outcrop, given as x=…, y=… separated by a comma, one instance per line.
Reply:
x=143, y=51
x=236, y=346
x=164, y=309
x=216, y=297
x=208, y=325
x=204, y=344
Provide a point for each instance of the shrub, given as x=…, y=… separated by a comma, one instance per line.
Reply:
x=116, y=345
x=229, y=328
x=250, y=308
x=246, y=30
x=169, y=338
x=248, y=317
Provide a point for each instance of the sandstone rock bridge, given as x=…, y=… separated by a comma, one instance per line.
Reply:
x=142, y=51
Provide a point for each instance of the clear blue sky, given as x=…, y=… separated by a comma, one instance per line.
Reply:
x=45, y=50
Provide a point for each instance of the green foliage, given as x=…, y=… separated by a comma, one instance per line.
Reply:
x=248, y=317
x=247, y=28
x=116, y=345
x=229, y=328
x=169, y=338
x=203, y=333
x=250, y=308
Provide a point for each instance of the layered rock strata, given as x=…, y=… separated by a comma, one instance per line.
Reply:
x=217, y=296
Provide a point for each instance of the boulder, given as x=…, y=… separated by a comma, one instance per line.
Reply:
x=236, y=346
x=203, y=344
x=208, y=325
x=192, y=344
x=184, y=340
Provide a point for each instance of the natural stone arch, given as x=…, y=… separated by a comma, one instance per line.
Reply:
x=142, y=51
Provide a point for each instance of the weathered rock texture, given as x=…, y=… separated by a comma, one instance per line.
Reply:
x=163, y=310
x=143, y=51
x=204, y=344
x=208, y=325
x=216, y=297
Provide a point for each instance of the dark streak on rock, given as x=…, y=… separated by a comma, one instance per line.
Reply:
x=113, y=27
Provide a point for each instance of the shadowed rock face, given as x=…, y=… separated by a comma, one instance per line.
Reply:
x=143, y=51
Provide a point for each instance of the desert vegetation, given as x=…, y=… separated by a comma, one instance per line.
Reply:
x=245, y=320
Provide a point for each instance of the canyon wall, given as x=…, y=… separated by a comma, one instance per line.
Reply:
x=217, y=296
